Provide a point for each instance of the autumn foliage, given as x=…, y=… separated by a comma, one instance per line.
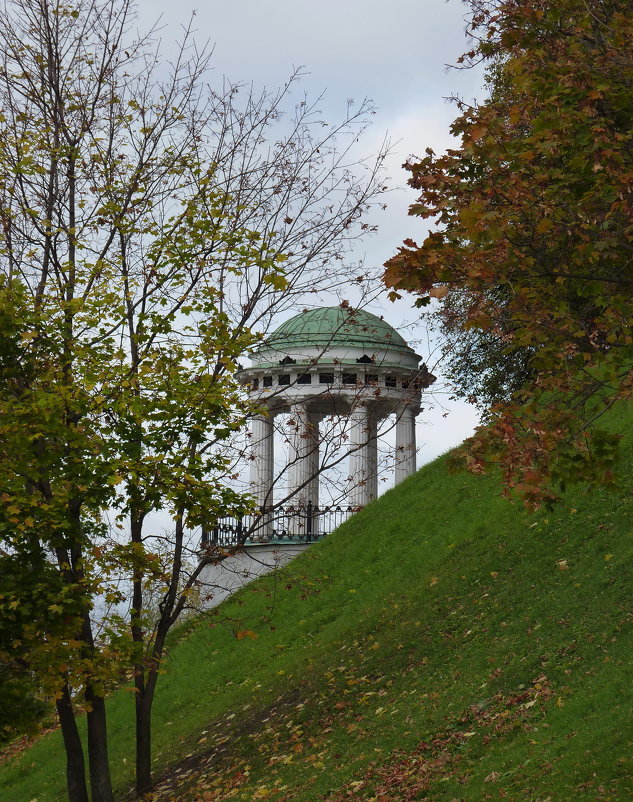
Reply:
x=534, y=239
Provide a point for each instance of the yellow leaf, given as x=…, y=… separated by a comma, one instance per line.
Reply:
x=515, y=115
x=544, y=225
x=245, y=633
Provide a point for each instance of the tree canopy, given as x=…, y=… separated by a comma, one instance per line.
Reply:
x=150, y=227
x=533, y=245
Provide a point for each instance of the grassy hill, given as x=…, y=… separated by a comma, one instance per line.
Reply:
x=442, y=645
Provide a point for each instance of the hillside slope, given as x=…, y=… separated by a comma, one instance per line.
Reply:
x=442, y=645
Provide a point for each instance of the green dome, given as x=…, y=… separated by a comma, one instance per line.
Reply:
x=332, y=326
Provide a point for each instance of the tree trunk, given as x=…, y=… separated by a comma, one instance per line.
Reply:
x=144, y=742
x=147, y=676
x=100, y=783
x=75, y=769
x=144, y=692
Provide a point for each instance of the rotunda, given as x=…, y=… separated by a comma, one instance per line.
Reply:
x=333, y=361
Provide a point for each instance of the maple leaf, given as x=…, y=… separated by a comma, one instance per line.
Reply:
x=534, y=241
x=440, y=291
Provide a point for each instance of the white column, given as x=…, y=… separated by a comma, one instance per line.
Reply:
x=372, y=458
x=262, y=463
x=313, y=459
x=405, y=442
x=262, y=471
x=363, y=479
x=299, y=473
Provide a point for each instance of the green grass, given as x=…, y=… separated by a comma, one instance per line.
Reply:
x=443, y=644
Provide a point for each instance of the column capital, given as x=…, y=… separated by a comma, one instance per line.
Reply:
x=408, y=409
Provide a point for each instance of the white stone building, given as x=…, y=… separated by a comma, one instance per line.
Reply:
x=331, y=361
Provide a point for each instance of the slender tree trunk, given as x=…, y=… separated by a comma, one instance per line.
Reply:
x=147, y=674
x=75, y=769
x=144, y=742
x=146, y=689
x=145, y=683
x=100, y=783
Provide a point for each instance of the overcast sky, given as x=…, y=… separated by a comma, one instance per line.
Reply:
x=394, y=52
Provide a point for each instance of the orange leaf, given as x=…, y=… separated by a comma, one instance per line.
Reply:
x=441, y=291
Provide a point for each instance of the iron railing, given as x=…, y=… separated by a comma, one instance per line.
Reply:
x=278, y=525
